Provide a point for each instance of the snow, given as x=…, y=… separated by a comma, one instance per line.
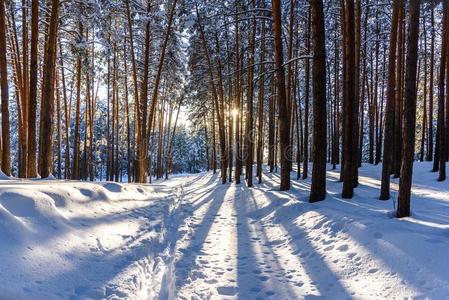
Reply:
x=62, y=239
x=191, y=237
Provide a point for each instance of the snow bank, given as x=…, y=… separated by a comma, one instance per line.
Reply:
x=78, y=240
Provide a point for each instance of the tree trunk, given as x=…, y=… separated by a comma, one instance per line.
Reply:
x=431, y=88
x=397, y=155
x=76, y=145
x=5, y=155
x=284, y=120
x=271, y=126
x=389, y=113
x=238, y=159
x=305, y=167
x=47, y=107
x=261, y=105
x=441, y=114
x=408, y=143
x=128, y=127
x=318, y=188
x=250, y=100
x=424, y=119
x=351, y=105
x=142, y=144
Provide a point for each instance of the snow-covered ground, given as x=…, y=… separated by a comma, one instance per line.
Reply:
x=193, y=238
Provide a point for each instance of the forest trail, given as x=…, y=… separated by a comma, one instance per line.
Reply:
x=225, y=252
x=237, y=242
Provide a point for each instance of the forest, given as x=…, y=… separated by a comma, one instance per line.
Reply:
x=306, y=100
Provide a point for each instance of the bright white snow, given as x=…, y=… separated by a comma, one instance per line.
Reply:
x=193, y=238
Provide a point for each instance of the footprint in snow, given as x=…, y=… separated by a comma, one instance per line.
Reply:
x=211, y=281
x=343, y=248
x=378, y=235
x=329, y=248
x=373, y=270
x=227, y=290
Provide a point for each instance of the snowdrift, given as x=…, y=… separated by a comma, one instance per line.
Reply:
x=78, y=240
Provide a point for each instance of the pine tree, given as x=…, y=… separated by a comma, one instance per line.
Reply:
x=408, y=140
x=318, y=188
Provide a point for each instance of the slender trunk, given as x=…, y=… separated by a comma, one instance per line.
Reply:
x=357, y=44
x=76, y=145
x=171, y=140
x=142, y=142
x=261, y=105
x=159, y=143
x=238, y=160
x=305, y=168
x=408, y=143
x=5, y=155
x=442, y=123
x=47, y=98
x=66, y=115
x=284, y=120
x=390, y=107
x=230, y=104
x=318, y=188
x=351, y=106
x=58, y=126
x=250, y=100
x=431, y=88
x=23, y=138
x=424, y=119
x=399, y=97
x=271, y=126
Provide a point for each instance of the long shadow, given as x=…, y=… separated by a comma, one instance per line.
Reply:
x=271, y=258
x=324, y=279
x=247, y=266
x=185, y=265
x=388, y=251
x=366, y=210
x=320, y=273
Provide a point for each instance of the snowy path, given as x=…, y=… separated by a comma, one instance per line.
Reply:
x=226, y=253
